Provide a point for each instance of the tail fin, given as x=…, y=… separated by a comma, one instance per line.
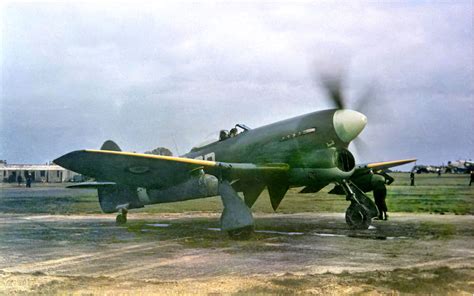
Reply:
x=110, y=146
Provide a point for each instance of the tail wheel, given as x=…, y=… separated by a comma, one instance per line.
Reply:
x=121, y=219
x=356, y=217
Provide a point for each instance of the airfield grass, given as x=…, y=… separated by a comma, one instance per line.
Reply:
x=432, y=194
x=448, y=194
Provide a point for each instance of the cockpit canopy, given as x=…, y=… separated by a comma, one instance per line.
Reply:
x=224, y=135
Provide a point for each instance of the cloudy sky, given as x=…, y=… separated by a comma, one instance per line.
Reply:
x=75, y=75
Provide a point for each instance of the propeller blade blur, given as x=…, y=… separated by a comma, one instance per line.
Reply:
x=368, y=97
x=362, y=149
x=333, y=86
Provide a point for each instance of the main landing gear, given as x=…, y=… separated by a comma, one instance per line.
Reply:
x=121, y=217
x=361, y=210
x=236, y=218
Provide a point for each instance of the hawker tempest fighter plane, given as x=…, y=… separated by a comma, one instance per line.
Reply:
x=310, y=150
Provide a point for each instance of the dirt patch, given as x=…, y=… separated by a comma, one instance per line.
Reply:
x=186, y=254
x=438, y=281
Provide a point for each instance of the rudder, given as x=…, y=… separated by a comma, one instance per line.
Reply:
x=110, y=146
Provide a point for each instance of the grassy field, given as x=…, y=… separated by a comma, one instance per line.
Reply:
x=432, y=194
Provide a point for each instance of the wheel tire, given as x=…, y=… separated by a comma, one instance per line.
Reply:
x=121, y=219
x=241, y=233
x=356, y=217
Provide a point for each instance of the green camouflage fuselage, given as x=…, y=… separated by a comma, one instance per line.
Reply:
x=308, y=143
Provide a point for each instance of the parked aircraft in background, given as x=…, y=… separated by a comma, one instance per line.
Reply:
x=460, y=166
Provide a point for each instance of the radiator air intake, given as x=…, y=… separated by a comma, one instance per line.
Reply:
x=345, y=160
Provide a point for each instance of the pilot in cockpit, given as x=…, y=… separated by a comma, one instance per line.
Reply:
x=223, y=135
x=233, y=132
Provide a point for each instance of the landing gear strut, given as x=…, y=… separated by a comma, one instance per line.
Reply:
x=236, y=218
x=121, y=217
x=361, y=210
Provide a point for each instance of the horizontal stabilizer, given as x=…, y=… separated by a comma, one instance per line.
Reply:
x=91, y=185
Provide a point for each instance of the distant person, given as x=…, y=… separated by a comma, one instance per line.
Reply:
x=11, y=178
x=29, y=179
x=412, y=178
x=439, y=172
x=19, y=179
x=472, y=178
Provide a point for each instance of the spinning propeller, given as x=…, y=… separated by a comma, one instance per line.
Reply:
x=333, y=85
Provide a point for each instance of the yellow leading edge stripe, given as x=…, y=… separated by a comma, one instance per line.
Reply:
x=161, y=157
x=213, y=163
x=395, y=162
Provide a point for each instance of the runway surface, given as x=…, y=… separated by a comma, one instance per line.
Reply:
x=182, y=252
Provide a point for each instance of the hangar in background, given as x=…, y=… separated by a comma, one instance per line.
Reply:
x=46, y=173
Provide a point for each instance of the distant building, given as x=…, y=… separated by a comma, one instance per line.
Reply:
x=49, y=173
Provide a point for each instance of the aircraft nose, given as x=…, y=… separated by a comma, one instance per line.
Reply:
x=348, y=124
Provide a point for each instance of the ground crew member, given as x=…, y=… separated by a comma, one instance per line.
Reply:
x=28, y=180
x=19, y=179
x=472, y=178
x=412, y=179
x=380, y=193
x=379, y=196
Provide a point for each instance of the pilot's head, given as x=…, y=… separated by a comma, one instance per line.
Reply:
x=223, y=135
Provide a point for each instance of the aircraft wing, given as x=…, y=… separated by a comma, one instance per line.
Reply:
x=156, y=171
x=375, y=166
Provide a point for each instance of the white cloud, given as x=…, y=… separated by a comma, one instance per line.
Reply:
x=141, y=73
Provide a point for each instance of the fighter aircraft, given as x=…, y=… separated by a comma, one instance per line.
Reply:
x=310, y=150
x=460, y=166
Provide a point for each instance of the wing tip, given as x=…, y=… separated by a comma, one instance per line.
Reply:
x=391, y=163
x=65, y=160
